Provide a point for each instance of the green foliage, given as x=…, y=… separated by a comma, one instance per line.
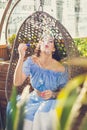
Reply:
x=11, y=39
x=67, y=108
x=15, y=118
x=11, y=115
x=81, y=44
x=70, y=106
x=67, y=98
x=70, y=102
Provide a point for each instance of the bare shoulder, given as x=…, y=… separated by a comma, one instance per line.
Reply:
x=58, y=66
x=34, y=58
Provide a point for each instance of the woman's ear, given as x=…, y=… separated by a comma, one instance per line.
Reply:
x=53, y=49
x=38, y=45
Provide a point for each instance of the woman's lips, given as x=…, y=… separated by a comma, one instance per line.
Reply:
x=46, y=46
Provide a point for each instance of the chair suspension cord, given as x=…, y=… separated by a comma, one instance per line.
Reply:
x=41, y=5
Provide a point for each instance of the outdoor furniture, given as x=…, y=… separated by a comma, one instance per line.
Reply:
x=2, y=123
x=0, y=119
x=3, y=101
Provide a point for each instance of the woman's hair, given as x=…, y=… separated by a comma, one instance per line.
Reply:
x=55, y=54
x=37, y=50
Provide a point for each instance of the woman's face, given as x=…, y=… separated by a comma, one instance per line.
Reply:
x=47, y=44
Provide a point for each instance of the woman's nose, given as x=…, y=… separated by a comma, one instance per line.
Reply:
x=46, y=42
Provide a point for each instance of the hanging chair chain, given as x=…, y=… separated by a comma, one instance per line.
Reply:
x=41, y=5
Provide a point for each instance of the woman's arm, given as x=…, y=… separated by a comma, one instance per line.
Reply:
x=19, y=76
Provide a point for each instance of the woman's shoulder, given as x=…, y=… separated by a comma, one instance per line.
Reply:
x=58, y=66
x=33, y=57
x=33, y=60
x=30, y=58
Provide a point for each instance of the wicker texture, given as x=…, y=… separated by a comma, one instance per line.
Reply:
x=31, y=31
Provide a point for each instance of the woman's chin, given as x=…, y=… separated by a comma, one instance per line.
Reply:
x=47, y=52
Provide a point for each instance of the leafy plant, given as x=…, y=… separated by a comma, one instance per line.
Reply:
x=72, y=105
x=15, y=117
x=11, y=39
x=81, y=44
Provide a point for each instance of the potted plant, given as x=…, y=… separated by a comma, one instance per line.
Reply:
x=11, y=40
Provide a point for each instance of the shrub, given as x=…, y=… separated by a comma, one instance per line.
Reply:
x=11, y=39
x=81, y=44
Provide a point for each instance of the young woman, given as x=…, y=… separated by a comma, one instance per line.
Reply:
x=47, y=76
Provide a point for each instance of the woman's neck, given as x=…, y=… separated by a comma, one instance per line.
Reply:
x=45, y=57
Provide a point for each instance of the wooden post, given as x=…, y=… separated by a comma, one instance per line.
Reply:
x=4, y=52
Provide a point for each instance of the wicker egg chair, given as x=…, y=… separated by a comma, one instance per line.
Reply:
x=30, y=31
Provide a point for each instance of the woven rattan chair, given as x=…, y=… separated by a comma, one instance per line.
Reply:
x=30, y=31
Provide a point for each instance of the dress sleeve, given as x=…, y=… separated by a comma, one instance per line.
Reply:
x=63, y=79
x=27, y=66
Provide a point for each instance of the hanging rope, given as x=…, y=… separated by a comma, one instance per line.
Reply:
x=41, y=5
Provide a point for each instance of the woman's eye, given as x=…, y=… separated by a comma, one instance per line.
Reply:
x=51, y=41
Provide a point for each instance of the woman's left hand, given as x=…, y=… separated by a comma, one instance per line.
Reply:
x=46, y=94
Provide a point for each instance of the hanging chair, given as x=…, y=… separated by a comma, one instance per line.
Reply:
x=30, y=32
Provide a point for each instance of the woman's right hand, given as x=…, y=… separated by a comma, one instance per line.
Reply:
x=22, y=49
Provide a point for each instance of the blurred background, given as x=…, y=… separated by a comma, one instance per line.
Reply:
x=71, y=13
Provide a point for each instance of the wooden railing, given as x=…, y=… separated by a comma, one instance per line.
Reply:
x=4, y=53
x=3, y=101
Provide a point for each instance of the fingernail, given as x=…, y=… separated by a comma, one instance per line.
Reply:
x=28, y=44
x=42, y=94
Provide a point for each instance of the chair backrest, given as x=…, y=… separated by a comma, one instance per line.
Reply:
x=30, y=31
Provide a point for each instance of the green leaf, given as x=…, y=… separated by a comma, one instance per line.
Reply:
x=67, y=98
x=19, y=121
x=77, y=109
x=67, y=108
x=12, y=115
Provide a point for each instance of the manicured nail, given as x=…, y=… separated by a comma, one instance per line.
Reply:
x=28, y=44
x=42, y=94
